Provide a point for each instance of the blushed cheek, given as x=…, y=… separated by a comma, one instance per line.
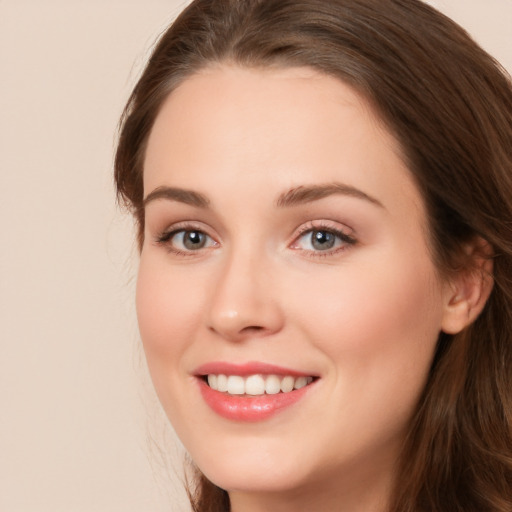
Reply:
x=151, y=311
x=380, y=345
x=161, y=312
x=394, y=311
x=162, y=327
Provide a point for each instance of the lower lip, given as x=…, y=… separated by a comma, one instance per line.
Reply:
x=245, y=408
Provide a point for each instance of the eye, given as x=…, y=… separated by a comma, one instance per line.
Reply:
x=320, y=239
x=186, y=240
x=190, y=240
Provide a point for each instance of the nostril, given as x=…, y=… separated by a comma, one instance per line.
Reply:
x=252, y=328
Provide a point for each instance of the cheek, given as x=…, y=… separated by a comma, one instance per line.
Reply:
x=388, y=301
x=168, y=313
x=378, y=326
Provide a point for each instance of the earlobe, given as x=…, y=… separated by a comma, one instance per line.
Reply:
x=468, y=291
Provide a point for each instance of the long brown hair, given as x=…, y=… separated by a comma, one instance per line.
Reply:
x=449, y=104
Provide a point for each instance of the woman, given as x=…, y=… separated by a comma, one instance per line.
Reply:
x=323, y=194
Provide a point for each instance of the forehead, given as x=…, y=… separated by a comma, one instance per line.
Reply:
x=280, y=127
x=214, y=104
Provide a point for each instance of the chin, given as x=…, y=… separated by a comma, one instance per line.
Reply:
x=262, y=473
x=255, y=480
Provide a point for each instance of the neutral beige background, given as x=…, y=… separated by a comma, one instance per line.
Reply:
x=73, y=427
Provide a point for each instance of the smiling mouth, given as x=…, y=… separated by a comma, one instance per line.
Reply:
x=257, y=384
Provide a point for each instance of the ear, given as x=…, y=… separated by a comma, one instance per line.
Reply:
x=468, y=290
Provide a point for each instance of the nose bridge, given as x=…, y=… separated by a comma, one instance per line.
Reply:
x=243, y=302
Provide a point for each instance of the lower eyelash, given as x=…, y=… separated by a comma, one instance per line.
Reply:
x=165, y=237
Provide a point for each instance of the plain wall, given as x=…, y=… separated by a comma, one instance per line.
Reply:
x=73, y=424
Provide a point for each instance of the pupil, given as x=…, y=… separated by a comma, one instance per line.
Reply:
x=323, y=240
x=194, y=240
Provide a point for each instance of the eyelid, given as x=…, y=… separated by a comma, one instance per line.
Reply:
x=343, y=232
x=324, y=224
x=166, y=236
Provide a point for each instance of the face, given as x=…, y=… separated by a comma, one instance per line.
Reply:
x=285, y=247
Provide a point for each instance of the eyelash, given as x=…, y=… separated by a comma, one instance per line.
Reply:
x=325, y=227
x=166, y=238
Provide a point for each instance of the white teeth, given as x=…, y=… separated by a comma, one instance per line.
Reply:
x=212, y=381
x=222, y=383
x=300, y=382
x=272, y=385
x=236, y=385
x=256, y=385
x=287, y=384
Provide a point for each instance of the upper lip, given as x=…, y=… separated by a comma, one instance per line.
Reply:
x=244, y=369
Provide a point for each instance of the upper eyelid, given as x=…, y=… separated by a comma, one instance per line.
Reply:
x=338, y=233
x=187, y=226
x=340, y=230
x=166, y=237
x=325, y=225
x=316, y=224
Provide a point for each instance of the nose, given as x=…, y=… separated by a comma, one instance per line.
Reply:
x=244, y=301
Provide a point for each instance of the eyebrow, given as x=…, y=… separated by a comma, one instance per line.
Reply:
x=308, y=194
x=177, y=194
x=293, y=197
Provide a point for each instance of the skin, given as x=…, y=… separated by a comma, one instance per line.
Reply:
x=363, y=317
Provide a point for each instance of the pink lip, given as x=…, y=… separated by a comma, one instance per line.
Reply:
x=250, y=368
x=245, y=408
